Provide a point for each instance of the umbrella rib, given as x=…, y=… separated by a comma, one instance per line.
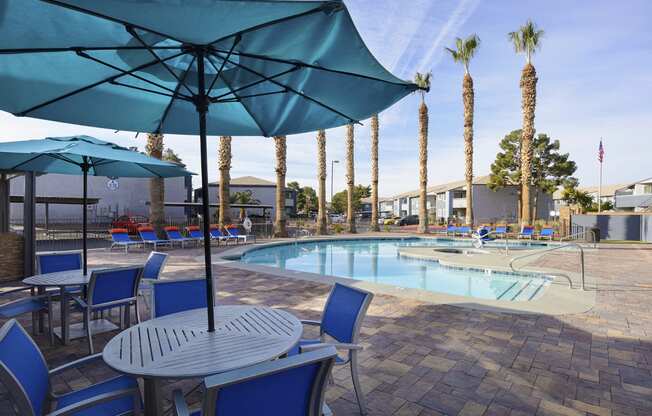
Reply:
x=260, y=81
x=25, y=162
x=156, y=84
x=317, y=67
x=109, y=18
x=235, y=100
x=133, y=33
x=149, y=170
x=176, y=92
x=148, y=90
x=219, y=72
x=301, y=94
x=93, y=85
x=262, y=130
x=82, y=48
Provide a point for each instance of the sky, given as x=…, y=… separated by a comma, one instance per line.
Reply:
x=594, y=82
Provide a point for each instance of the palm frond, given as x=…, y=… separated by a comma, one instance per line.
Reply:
x=423, y=80
x=464, y=50
x=527, y=39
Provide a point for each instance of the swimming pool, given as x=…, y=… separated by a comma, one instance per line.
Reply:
x=378, y=261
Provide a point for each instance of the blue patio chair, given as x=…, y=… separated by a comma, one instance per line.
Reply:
x=174, y=235
x=107, y=289
x=59, y=261
x=148, y=236
x=292, y=386
x=25, y=374
x=151, y=271
x=172, y=296
x=341, y=320
x=120, y=237
x=527, y=231
x=547, y=232
x=30, y=304
x=235, y=233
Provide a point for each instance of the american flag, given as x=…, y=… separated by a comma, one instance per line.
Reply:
x=601, y=152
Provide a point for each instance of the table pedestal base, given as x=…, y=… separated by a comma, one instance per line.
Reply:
x=77, y=330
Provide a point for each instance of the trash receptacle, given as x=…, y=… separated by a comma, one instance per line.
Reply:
x=593, y=235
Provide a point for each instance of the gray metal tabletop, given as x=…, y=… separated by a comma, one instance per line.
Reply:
x=65, y=278
x=179, y=345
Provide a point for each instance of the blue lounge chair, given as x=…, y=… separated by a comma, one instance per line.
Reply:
x=527, y=231
x=235, y=233
x=25, y=374
x=174, y=235
x=172, y=296
x=451, y=230
x=501, y=230
x=464, y=230
x=148, y=236
x=547, y=232
x=120, y=237
x=108, y=289
x=217, y=234
x=29, y=304
x=289, y=386
x=195, y=233
x=341, y=320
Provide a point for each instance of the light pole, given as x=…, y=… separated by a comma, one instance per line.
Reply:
x=333, y=162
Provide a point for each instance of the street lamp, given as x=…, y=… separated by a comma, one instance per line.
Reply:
x=333, y=162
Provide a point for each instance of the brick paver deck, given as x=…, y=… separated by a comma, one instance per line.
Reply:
x=424, y=359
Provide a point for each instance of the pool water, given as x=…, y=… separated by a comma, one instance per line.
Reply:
x=378, y=261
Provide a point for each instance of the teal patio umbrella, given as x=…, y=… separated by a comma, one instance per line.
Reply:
x=206, y=67
x=83, y=155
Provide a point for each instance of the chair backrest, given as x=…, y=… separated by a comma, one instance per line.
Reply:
x=147, y=234
x=464, y=229
x=215, y=232
x=23, y=370
x=194, y=232
x=50, y=262
x=112, y=285
x=292, y=386
x=154, y=265
x=501, y=229
x=527, y=230
x=172, y=296
x=451, y=228
x=233, y=232
x=344, y=311
x=547, y=231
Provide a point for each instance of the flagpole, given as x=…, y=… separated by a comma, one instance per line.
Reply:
x=600, y=183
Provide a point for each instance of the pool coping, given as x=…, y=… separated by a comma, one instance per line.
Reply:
x=558, y=298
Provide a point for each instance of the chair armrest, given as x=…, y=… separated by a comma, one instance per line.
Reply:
x=15, y=290
x=310, y=322
x=94, y=401
x=76, y=363
x=179, y=406
x=337, y=345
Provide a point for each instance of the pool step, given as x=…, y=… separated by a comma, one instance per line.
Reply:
x=525, y=290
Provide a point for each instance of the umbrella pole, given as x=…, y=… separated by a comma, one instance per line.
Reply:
x=202, y=108
x=85, y=214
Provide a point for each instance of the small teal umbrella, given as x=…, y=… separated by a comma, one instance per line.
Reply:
x=83, y=155
x=220, y=67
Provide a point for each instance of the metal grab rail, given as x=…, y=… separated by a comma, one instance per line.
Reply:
x=582, y=233
x=478, y=237
x=539, y=252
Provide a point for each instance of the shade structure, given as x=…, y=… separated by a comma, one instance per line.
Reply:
x=83, y=155
x=220, y=67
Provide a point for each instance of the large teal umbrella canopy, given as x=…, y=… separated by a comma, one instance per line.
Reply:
x=242, y=67
x=83, y=155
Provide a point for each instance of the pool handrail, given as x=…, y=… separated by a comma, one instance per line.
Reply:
x=475, y=235
x=543, y=251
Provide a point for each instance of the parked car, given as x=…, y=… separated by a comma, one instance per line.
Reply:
x=130, y=222
x=408, y=220
x=337, y=218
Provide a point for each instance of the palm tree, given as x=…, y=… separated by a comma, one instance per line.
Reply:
x=154, y=148
x=463, y=52
x=321, y=178
x=243, y=197
x=350, y=178
x=423, y=82
x=527, y=39
x=374, y=173
x=224, y=152
x=280, y=229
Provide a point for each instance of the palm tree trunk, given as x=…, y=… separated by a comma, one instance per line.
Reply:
x=423, y=167
x=528, y=105
x=154, y=148
x=321, y=178
x=224, y=152
x=374, y=173
x=468, y=98
x=280, y=229
x=350, y=179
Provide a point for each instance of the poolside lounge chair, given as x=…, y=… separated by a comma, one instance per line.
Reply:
x=546, y=232
x=120, y=237
x=464, y=230
x=195, y=233
x=527, y=231
x=235, y=232
x=288, y=386
x=174, y=235
x=149, y=237
x=217, y=234
x=25, y=375
x=341, y=320
x=501, y=231
x=451, y=230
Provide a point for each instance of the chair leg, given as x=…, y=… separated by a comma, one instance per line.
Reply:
x=137, y=311
x=356, y=383
x=50, y=330
x=89, y=335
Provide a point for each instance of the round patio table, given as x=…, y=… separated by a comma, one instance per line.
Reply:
x=179, y=346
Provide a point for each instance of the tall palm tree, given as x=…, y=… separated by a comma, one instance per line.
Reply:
x=374, y=173
x=423, y=82
x=321, y=178
x=224, y=164
x=154, y=148
x=350, y=178
x=527, y=39
x=280, y=229
x=463, y=52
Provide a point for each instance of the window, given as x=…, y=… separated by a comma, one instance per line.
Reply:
x=647, y=188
